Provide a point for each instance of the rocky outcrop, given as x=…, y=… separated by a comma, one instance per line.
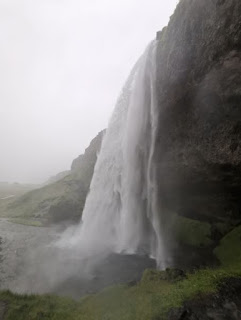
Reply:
x=57, y=177
x=83, y=166
x=64, y=199
x=198, y=150
x=224, y=304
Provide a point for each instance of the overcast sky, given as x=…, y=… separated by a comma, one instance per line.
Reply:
x=62, y=66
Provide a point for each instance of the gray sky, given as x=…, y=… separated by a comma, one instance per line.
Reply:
x=62, y=66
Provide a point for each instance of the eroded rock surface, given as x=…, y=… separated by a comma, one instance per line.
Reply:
x=198, y=151
x=224, y=305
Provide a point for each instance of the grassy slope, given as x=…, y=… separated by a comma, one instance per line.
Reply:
x=27, y=222
x=68, y=194
x=16, y=189
x=28, y=204
x=149, y=299
x=192, y=232
x=60, y=200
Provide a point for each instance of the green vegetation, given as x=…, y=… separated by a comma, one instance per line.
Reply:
x=58, y=201
x=16, y=189
x=9, y=192
x=229, y=250
x=27, y=222
x=150, y=299
x=23, y=307
x=222, y=227
x=62, y=199
x=192, y=232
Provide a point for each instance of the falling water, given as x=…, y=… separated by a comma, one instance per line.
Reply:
x=120, y=214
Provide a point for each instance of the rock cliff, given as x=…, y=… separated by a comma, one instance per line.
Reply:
x=198, y=151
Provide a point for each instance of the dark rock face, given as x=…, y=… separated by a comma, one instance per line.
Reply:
x=198, y=150
x=90, y=155
x=225, y=305
x=3, y=309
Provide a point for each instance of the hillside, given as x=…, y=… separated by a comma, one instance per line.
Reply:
x=15, y=189
x=63, y=199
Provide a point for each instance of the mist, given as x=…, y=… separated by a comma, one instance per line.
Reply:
x=62, y=65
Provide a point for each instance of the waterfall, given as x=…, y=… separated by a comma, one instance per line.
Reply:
x=120, y=213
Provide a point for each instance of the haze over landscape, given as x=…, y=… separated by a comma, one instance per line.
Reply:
x=62, y=65
x=141, y=220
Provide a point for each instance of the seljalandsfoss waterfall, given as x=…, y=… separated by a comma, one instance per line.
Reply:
x=120, y=233
x=120, y=214
x=146, y=223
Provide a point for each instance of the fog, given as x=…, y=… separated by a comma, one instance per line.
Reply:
x=63, y=63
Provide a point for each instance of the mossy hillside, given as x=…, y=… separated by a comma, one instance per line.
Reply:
x=9, y=192
x=63, y=199
x=229, y=250
x=26, y=307
x=16, y=189
x=27, y=222
x=191, y=232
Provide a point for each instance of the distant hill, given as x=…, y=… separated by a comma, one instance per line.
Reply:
x=10, y=191
x=57, y=177
x=63, y=199
x=15, y=189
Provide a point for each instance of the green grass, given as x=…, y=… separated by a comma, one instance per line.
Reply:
x=153, y=299
x=229, y=250
x=192, y=232
x=150, y=299
x=27, y=222
x=58, y=201
x=23, y=307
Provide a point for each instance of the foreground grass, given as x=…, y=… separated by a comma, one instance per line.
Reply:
x=24, y=307
x=150, y=299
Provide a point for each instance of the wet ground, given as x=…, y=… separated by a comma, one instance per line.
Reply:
x=29, y=262
x=16, y=241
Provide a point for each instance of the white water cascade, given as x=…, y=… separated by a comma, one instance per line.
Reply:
x=120, y=214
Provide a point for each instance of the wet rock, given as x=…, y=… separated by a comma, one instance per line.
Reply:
x=225, y=305
x=175, y=274
x=198, y=150
x=3, y=309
